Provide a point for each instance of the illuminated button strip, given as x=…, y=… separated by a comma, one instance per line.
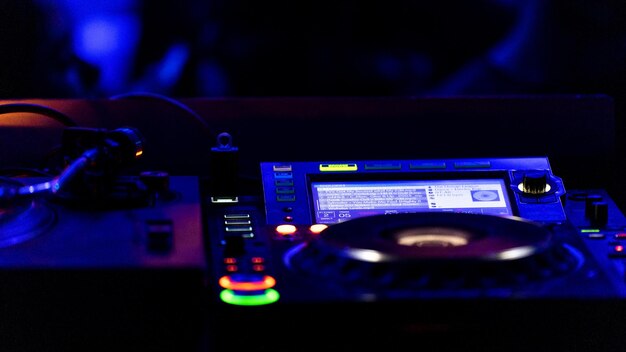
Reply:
x=248, y=289
x=238, y=223
x=283, y=180
x=288, y=231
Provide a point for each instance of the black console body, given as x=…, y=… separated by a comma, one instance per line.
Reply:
x=443, y=224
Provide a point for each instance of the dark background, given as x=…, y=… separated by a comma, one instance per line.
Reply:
x=231, y=49
x=225, y=49
x=199, y=48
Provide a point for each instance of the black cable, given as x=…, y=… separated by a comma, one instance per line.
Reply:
x=147, y=95
x=37, y=109
x=13, y=193
x=13, y=108
x=179, y=105
x=18, y=172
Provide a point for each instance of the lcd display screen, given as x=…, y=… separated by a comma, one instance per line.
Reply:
x=335, y=202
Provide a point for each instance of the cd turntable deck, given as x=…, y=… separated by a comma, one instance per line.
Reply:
x=434, y=248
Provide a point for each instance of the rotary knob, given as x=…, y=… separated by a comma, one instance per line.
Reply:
x=535, y=183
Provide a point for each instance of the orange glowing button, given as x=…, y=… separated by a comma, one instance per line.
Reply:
x=286, y=229
x=263, y=283
x=317, y=228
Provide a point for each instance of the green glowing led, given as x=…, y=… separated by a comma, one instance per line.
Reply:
x=589, y=230
x=268, y=296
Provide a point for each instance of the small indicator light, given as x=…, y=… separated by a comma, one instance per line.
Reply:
x=230, y=260
x=286, y=229
x=619, y=248
x=317, y=228
x=231, y=268
x=589, y=230
x=258, y=267
x=257, y=260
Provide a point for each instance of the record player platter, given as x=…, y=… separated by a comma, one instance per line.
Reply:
x=434, y=251
x=23, y=219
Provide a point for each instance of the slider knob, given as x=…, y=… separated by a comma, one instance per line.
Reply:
x=535, y=183
x=589, y=200
x=234, y=246
x=599, y=214
x=156, y=181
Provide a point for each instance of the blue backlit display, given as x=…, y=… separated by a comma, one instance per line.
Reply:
x=335, y=202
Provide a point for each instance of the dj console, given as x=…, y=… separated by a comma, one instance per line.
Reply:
x=440, y=253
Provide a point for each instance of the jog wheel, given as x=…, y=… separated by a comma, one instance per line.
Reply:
x=434, y=251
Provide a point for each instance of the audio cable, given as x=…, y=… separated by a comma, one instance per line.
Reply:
x=112, y=148
x=54, y=114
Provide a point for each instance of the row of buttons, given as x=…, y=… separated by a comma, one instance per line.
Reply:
x=240, y=224
x=289, y=231
x=425, y=165
x=283, y=180
x=283, y=173
x=617, y=248
x=282, y=170
x=416, y=165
